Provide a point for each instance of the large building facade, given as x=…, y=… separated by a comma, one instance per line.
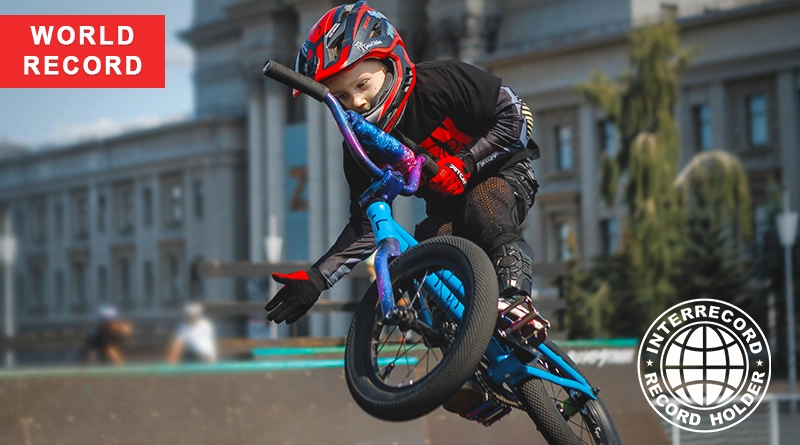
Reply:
x=282, y=172
x=123, y=222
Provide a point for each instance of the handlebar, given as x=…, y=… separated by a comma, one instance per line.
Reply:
x=321, y=93
x=292, y=78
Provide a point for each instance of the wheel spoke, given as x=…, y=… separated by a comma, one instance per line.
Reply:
x=408, y=294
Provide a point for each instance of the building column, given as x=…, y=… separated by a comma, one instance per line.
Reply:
x=317, y=218
x=255, y=119
x=590, y=234
x=7, y=255
x=788, y=123
x=275, y=161
x=719, y=116
x=338, y=211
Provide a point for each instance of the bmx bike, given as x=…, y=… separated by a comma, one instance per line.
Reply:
x=433, y=318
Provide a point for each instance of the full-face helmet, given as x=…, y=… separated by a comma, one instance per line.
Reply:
x=345, y=36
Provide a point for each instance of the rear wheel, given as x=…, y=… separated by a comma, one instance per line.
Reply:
x=563, y=419
x=400, y=372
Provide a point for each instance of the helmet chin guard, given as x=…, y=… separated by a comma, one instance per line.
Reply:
x=349, y=34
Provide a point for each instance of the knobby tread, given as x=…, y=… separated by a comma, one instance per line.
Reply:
x=399, y=404
x=548, y=419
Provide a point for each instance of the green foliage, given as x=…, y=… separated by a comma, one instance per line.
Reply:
x=604, y=301
x=716, y=182
x=579, y=323
x=676, y=241
x=711, y=267
x=642, y=105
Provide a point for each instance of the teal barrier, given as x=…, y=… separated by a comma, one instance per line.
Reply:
x=261, y=366
x=599, y=343
x=274, y=352
x=188, y=369
x=588, y=343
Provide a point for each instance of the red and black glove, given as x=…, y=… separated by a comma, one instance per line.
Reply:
x=452, y=177
x=299, y=293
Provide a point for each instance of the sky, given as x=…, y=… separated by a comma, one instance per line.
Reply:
x=43, y=118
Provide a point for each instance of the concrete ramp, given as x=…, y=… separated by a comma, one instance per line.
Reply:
x=260, y=402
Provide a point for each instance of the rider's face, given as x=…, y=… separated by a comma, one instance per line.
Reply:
x=356, y=87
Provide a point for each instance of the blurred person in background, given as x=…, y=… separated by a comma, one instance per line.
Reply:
x=370, y=263
x=194, y=341
x=104, y=344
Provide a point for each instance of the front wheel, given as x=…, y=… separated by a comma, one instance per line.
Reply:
x=560, y=418
x=401, y=372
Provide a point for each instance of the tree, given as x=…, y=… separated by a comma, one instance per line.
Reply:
x=642, y=106
x=715, y=182
x=712, y=266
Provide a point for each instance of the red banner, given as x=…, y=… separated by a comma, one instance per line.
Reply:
x=82, y=51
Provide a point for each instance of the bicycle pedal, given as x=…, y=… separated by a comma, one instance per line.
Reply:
x=520, y=317
x=488, y=413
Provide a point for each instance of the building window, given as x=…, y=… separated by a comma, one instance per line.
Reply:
x=173, y=281
x=609, y=236
x=149, y=284
x=563, y=134
x=762, y=224
x=19, y=285
x=123, y=208
x=608, y=137
x=59, y=291
x=564, y=232
x=38, y=221
x=80, y=215
x=102, y=285
x=19, y=222
x=79, y=288
x=295, y=111
x=59, y=220
x=195, y=280
x=101, y=213
x=147, y=197
x=199, y=199
x=176, y=203
x=123, y=281
x=757, y=121
x=172, y=198
x=35, y=299
x=701, y=114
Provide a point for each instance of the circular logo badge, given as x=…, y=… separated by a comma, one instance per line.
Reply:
x=704, y=365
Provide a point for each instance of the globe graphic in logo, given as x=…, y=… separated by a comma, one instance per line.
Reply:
x=704, y=365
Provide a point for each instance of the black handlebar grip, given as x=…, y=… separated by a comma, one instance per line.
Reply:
x=292, y=78
x=429, y=168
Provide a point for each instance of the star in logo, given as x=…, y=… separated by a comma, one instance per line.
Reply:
x=759, y=363
x=649, y=363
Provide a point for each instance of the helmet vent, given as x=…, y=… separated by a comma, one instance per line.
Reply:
x=376, y=30
x=335, y=47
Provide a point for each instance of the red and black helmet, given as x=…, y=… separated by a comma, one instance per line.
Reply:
x=348, y=34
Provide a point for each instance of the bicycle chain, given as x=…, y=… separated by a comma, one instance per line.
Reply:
x=483, y=382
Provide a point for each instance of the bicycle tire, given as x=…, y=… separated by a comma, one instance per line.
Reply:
x=464, y=347
x=542, y=400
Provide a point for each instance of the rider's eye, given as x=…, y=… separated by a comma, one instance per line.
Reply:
x=362, y=84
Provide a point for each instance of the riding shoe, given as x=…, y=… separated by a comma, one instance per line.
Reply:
x=466, y=399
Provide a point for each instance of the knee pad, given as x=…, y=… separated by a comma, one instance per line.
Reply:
x=513, y=263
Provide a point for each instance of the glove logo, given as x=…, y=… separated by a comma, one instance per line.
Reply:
x=458, y=173
x=704, y=365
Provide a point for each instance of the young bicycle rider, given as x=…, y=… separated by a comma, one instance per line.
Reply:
x=478, y=132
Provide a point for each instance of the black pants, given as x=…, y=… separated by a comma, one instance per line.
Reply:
x=489, y=213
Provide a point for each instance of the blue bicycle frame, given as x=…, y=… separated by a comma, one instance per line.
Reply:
x=446, y=289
